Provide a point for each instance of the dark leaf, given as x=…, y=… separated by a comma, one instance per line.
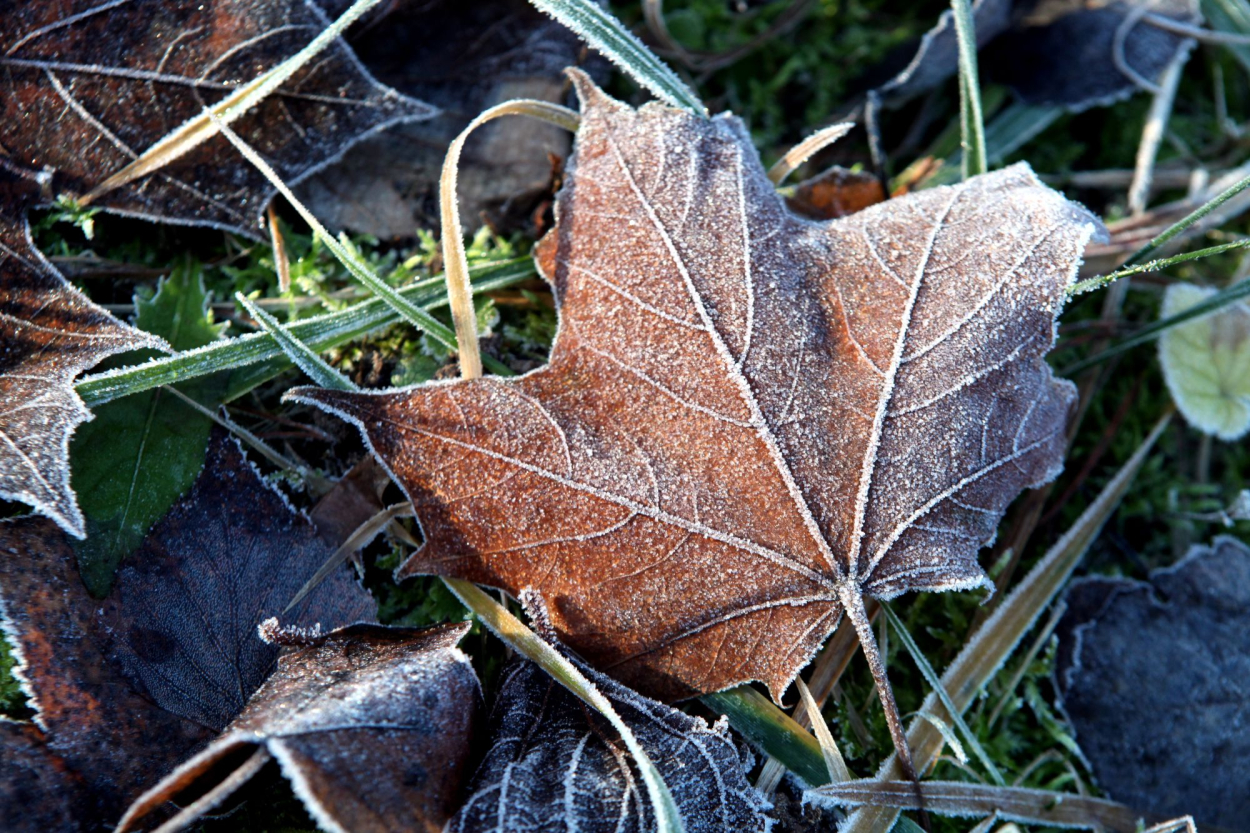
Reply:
x=49, y=333
x=749, y=419
x=462, y=57
x=90, y=85
x=937, y=56
x=555, y=764
x=370, y=724
x=140, y=453
x=37, y=791
x=125, y=688
x=835, y=193
x=1153, y=679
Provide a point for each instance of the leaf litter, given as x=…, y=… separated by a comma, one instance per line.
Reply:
x=749, y=420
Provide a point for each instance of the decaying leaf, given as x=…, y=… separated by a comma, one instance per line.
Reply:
x=125, y=688
x=555, y=764
x=91, y=85
x=749, y=419
x=1206, y=362
x=49, y=333
x=1152, y=677
x=370, y=724
x=1056, y=52
x=463, y=58
x=834, y=193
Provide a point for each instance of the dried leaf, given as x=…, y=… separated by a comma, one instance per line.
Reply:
x=555, y=764
x=370, y=724
x=49, y=333
x=1206, y=362
x=1055, y=52
x=463, y=58
x=35, y=780
x=1152, y=678
x=749, y=419
x=835, y=193
x=92, y=85
x=125, y=688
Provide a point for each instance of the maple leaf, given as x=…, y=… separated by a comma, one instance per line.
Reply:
x=554, y=764
x=123, y=689
x=749, y=419
x=1171, y=743
x=50, y=332
x=370, y=724
x=92, y=85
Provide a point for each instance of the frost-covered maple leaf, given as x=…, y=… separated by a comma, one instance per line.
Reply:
x=749, y=420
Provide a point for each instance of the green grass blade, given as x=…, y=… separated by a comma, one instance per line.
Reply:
x=1152, y=331
x=769, y=728
x=1180, y=225
x=609, y=37
x=301, y=354
x=922, y=662
x=259, y=354
x=972, y=120
x=527, y=643
x=1090, y=284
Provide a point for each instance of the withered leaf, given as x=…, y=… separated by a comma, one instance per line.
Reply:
x=125, y=688
x=1055, y=52
x=1152, y=676
x=370, y=724
x=35, y=780
x=749, y=419
x=88, y=86
x=49, y=333
x=555, y=764
x=463, y=58
x=834, y=193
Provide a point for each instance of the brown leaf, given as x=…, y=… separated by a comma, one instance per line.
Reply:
x=37, y=790
x=370, y=724
x=837, y=192
x=90, y=86
x=556, y=764
x=749, y=419
x=125, y=688
x=49, y=333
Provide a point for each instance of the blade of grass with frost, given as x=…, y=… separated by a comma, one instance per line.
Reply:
x=995, y=641
x=972, y=120
x=965, y=800
x=1099, y=281
x=609, y=37
x=525, y=642
x=260, y=357
x=931, y=677
x=203, y=127
x=1188, y=220
x=414, y=314
x=301, y=354
x=1152, y=331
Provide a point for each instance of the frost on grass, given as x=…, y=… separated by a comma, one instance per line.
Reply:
x=126, y=687
x=89, y=86
x=371, y=725
x=49, y=333
x=1152, y=677
x=1206, y=363
x=555, y=764
x=749, y=418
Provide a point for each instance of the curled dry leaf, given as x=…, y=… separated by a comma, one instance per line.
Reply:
x=749, y=419
x=555, y=764
x=1055, y=52
x=1152, y=678
x=370, y=724
x=1206, y=362
x=89, y=86
x=125, y=688
x=837, y=192
x=49, y=333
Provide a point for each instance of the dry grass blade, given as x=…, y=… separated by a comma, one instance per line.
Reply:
x=203, y=127
x=459, y=292
x=957, y=798
x=997, y=639
x=834, y=761
x=805, y=150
